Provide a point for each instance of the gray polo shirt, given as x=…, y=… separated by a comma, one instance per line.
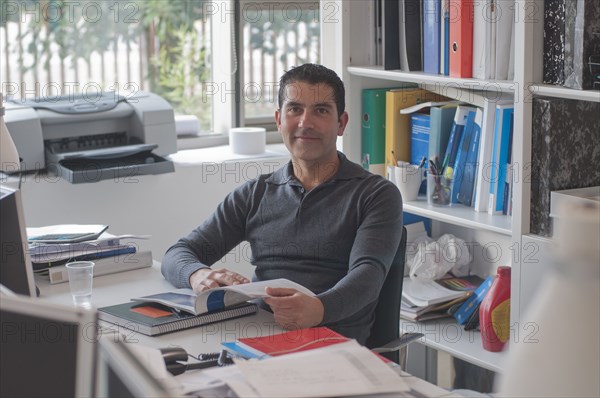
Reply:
x=339, y=239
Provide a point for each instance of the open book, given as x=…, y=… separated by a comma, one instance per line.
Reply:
x=219, y=298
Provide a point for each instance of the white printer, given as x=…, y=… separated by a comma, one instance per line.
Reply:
x=96, y=137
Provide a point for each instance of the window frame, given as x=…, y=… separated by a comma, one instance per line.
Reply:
x=268, y=6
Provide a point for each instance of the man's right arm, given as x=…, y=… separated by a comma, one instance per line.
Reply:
x=208, y=243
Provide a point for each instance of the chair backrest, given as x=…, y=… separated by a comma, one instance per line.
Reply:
x=387, y=312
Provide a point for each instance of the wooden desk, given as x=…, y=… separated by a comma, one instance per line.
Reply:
x=119, y=288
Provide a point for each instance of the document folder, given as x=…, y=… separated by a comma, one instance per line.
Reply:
x=461, y=38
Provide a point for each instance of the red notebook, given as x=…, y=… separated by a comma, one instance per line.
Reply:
x=291, y=341
x=286, y=343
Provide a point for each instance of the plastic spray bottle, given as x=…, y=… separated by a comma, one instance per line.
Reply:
x=494, y=312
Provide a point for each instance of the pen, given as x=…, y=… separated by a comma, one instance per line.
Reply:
x=422, y=162
x=446, y=159
x=394, y=158
x=432, y=168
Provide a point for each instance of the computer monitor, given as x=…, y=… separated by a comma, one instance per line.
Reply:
x=122, y=374
x=46, y=349
x=16, y=271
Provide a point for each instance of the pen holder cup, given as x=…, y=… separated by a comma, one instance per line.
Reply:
x=408, y=179
x=439, y=190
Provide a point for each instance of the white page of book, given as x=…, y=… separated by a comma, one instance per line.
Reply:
x=257, y=289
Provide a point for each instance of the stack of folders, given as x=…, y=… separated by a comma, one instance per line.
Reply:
x=52, y=247
x=460, y=38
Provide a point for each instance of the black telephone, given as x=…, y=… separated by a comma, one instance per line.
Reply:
x=175, y=358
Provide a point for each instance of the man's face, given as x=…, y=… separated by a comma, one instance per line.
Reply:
x=308, y=122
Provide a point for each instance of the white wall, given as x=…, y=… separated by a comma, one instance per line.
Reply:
x=166, y=206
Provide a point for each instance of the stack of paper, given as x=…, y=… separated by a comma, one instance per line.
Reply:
x=107, y=245
x=342, y=369
x=50, y=248
x=435, y=299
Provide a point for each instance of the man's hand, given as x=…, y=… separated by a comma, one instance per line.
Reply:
x=207, y=278
x=294, y=310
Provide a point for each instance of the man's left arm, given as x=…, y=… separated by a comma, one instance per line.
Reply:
x=375, y=246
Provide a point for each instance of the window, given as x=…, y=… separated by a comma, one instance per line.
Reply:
x=276, y=35
x=51, y=48
x=54, y=48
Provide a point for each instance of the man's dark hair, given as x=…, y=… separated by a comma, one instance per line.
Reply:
x=315, y=74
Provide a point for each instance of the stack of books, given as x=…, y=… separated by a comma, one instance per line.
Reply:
x=52, y=247
x=469, y=146
x=422, y=301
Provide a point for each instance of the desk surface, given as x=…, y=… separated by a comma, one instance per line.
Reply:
x=120, y=287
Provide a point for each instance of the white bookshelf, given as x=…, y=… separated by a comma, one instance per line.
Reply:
x=353, y=59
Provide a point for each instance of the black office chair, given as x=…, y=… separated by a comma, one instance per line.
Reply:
x=386, y=328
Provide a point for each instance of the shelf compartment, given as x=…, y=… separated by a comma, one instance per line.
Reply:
x=461, y=215
x=377, y=72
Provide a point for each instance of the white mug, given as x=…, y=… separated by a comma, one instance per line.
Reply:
x=408, y=180
x=391, y=174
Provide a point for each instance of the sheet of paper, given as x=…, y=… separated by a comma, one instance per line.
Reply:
x=339, y=370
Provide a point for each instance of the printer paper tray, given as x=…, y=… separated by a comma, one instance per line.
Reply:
x=103, y=164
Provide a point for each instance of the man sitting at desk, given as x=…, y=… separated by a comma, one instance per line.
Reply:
x=321, y=220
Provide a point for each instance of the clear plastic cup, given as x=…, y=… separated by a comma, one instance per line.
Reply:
x=439, y=190
x=81, y=276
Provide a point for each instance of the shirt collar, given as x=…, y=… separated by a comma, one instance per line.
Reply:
x=347, y=170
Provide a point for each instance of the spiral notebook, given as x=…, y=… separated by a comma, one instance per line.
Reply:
x=154, y=319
